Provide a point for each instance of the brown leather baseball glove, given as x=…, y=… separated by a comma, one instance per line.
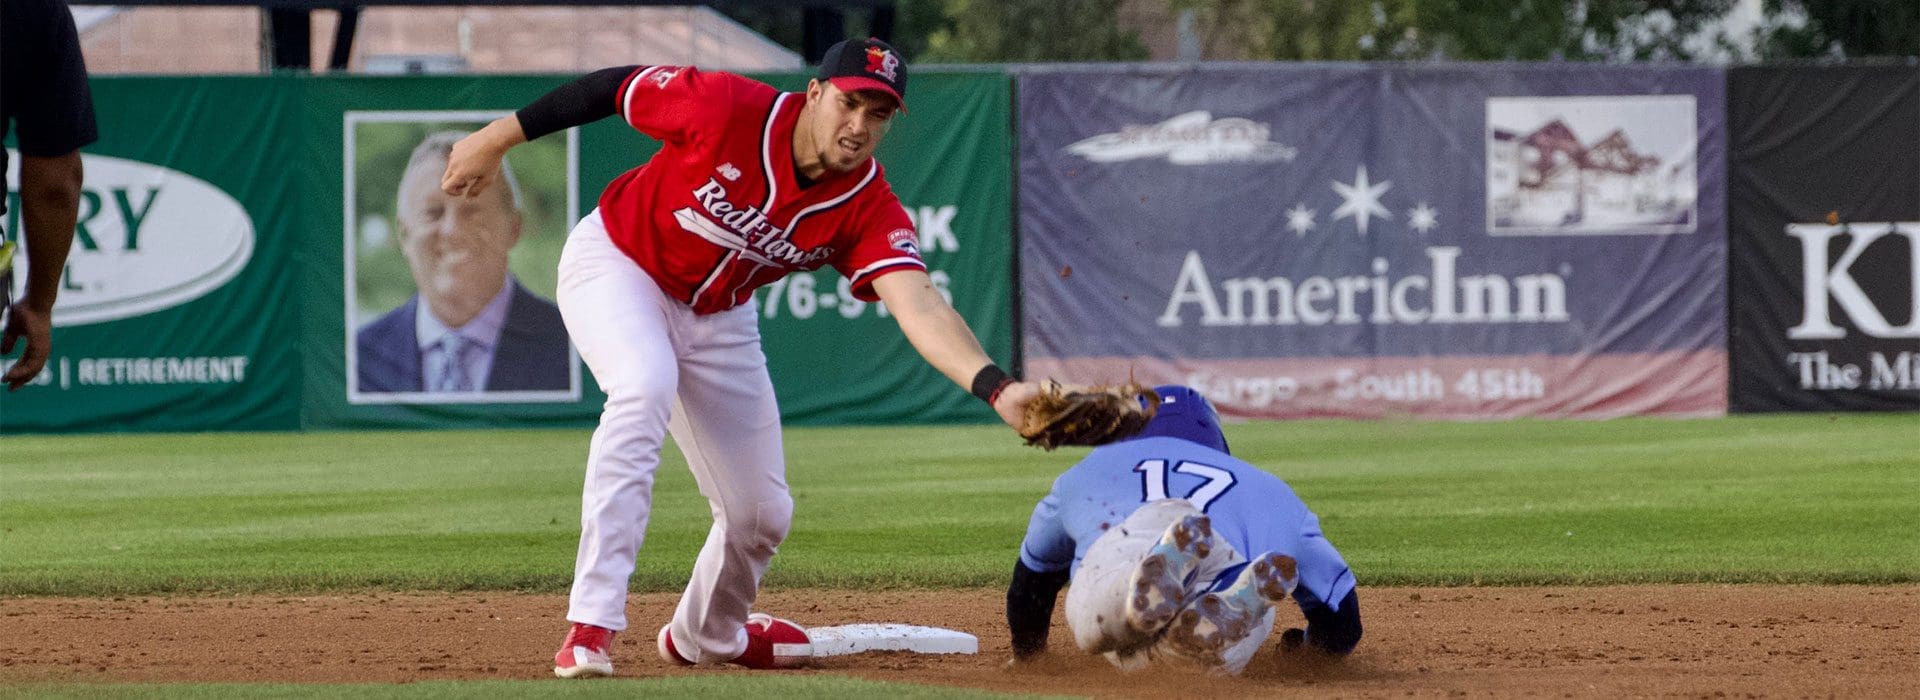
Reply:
x=1094, y=416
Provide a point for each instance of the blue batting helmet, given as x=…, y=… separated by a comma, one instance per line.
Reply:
x=1185, y=414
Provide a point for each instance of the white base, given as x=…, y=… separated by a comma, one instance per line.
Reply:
x=855, y=638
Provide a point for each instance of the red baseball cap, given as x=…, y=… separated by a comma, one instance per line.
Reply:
x=866, y=64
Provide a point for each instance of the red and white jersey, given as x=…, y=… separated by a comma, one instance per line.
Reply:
x=717, y=212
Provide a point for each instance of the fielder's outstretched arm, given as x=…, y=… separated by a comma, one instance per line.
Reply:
x=943, y=338
x=475, y=160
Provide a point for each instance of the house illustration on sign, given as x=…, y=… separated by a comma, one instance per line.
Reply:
x=1548, y=180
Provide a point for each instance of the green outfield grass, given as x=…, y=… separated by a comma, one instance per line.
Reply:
x=1791, y=498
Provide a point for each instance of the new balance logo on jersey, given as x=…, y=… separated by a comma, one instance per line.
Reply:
x=661, y=77
x=745, y=230
x=729, y=172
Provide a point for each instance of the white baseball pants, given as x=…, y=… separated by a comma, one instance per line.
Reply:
x=702, y=378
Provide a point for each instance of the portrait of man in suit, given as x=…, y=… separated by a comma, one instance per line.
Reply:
x=472, y=327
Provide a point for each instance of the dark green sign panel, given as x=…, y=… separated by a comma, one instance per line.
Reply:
x=177, y=311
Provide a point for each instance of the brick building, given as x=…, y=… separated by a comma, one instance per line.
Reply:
x=175, y=40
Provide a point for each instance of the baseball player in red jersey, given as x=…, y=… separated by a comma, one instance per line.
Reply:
x=750, y=185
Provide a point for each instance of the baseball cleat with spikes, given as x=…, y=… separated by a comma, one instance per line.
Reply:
x=1218, y=620
x=584, y=653
x=664, y=642
x=775, y=643
x=1159, y=585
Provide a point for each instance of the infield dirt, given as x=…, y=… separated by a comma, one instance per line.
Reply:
x=1698, y=640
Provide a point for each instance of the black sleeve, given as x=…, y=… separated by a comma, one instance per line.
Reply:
x=55, y=114
x=1030, y=599
x=589, y=99
x=1329, y=631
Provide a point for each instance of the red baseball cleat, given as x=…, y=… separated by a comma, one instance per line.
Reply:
x=665, y=644
x=584, y=653
x=775, y=643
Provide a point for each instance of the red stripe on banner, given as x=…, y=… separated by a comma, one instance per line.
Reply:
x=1677, y=383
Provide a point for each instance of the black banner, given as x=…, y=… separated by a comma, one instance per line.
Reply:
x=1824, y=194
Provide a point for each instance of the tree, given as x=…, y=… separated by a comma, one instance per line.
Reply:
x=1484, y=30
x=1840, y=29
x=1640, y=30
x=1306, y=30
x=1014, y=31
x=974, y=31
x=1513, y=30
x=914, y=21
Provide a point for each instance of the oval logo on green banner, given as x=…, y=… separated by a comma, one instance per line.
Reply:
x=148, y=238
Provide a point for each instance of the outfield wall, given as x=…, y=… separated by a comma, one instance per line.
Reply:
x=1362, y=241
x=1449, y=241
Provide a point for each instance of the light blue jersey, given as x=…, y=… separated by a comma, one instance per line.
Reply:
x=1252, y=510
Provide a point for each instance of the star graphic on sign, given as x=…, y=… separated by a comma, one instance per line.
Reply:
x=1300, y=219
x=1361, y=200
x=1423, y=218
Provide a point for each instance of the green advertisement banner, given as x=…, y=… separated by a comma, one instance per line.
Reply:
x=176, y=310
x=266, y=253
